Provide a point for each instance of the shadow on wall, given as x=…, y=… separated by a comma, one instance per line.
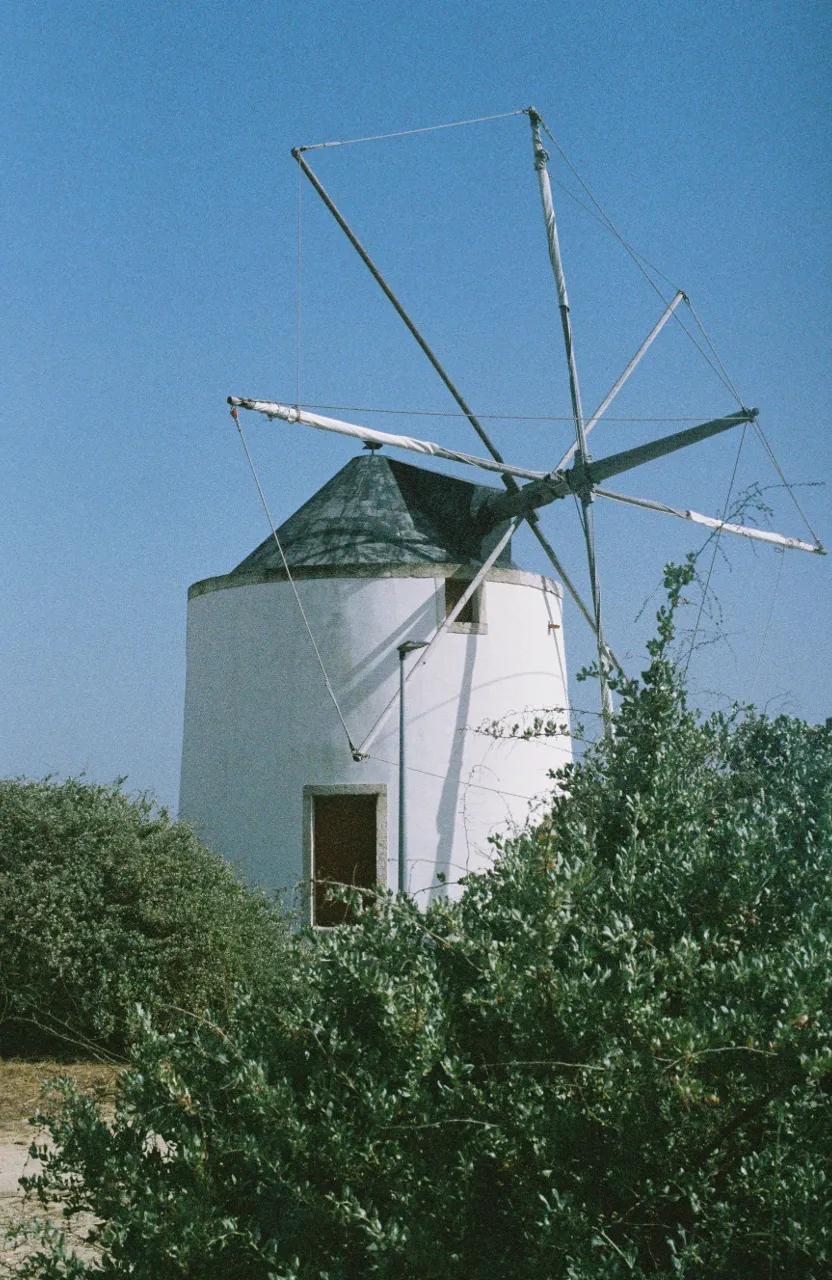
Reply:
x=448, y=813
x=381, y=663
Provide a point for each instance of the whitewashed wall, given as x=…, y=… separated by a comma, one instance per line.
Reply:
x=259, y=725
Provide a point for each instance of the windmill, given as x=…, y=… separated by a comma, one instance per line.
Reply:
x=384, y=566
x=584, y=479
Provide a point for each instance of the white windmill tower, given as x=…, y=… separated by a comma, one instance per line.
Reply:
x=293, y=763
x=299, y=786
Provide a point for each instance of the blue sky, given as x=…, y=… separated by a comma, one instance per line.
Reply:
x=150, y=246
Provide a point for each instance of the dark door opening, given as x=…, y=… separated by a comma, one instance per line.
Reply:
x=344, y=843
x=471, y=612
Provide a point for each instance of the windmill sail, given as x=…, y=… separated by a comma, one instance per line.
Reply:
x=288, y=413
x=724, y=526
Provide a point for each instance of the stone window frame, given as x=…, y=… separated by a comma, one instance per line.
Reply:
x=478, y=628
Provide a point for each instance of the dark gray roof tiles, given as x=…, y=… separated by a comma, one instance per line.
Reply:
x=377, y=510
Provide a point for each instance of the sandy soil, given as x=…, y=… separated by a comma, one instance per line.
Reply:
x=15, y=1163
x=20, y=1095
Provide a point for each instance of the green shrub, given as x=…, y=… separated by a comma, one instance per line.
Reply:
x=106, y=903
x=612, y=1058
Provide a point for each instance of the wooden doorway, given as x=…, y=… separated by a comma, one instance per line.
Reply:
x=346, y=834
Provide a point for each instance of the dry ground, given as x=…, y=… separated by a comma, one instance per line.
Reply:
x=21, y=1092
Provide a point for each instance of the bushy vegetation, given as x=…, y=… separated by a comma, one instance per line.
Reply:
x=612, y=1058
x=105, y=903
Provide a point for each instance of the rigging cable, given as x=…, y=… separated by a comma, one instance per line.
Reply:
x=764, y=442
x=329, y=689
x=501, y=417
x=297, y=354
x=760, y=434
x=713, y=350
x=644, y=266
x=478, y=786
x=716, y=537
x=716, y=363
x=638, y=258
x=641, y=261
x=768, y=624
x=406, y=133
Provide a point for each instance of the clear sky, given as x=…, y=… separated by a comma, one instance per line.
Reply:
x=150, y=266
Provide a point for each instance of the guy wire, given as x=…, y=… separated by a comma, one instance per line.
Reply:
x=406, y=133
x=716, y=536
x=716, y=363
x=638, y=258
x=768, y=624
x=329, y=689
x=297, y=365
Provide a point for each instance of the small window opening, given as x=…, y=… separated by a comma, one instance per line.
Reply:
x=344, y=840
x=454, y=590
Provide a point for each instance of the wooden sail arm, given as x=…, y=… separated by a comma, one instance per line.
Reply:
x=582, y=480
x=479, y=577
x=601, y=469
x=289, y=413
x=619, y=382
x=722, y=526
x=508, y=477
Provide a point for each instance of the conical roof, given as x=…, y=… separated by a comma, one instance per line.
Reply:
x=377, y=510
